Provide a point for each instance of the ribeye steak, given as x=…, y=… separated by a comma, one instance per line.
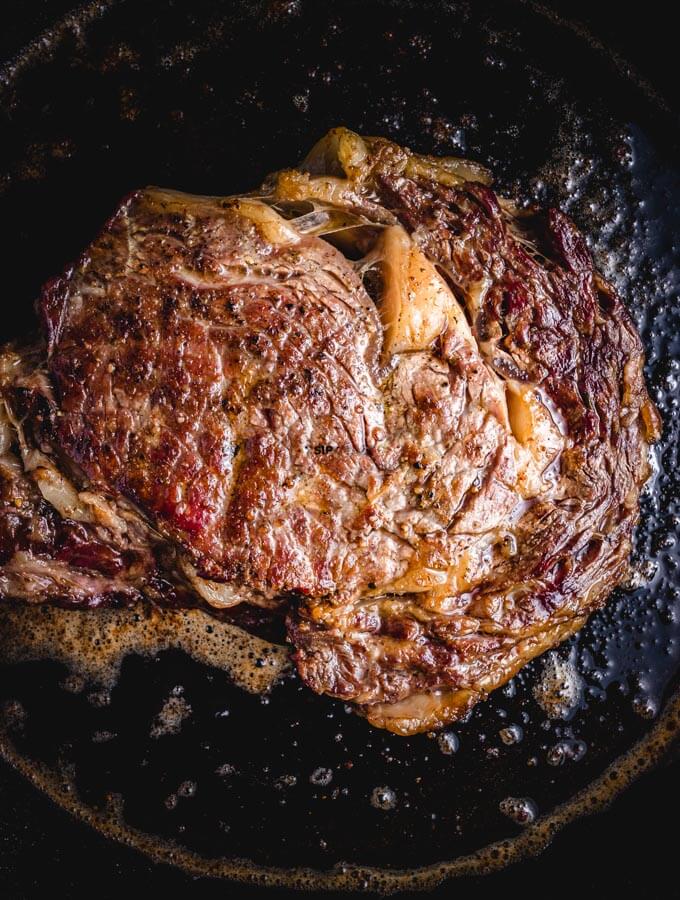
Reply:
x=372, y=393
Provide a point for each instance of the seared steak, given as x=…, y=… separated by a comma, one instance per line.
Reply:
x=372, y=392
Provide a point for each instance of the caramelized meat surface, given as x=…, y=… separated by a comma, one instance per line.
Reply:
x=371, y=392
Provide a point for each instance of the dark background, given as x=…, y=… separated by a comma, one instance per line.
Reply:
x=627, y=850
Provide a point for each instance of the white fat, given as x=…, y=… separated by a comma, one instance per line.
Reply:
x=213, y=592
x=338, y=151
x=449, y=170
x=273, y=227
x=539, y=439
x=59, y=493
x=417, y=580
x=417, y=304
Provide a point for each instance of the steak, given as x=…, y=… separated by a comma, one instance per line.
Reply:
x=371, y=394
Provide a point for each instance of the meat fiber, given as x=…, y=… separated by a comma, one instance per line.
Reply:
x=372, y=393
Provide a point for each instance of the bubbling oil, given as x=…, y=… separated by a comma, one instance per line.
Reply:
x=559, y=688
x=93, y=644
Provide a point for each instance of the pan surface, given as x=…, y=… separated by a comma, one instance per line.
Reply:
x=287, y=787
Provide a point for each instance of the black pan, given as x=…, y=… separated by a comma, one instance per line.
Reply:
x=207, y=97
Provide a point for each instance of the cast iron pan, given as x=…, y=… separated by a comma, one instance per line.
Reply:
x=208, y=97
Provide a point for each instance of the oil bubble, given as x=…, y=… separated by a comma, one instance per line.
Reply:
x=321, y=777
x=559, y=689
x=522, y=810
x=448, y=742
x=383, y=798
x=513, y=734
